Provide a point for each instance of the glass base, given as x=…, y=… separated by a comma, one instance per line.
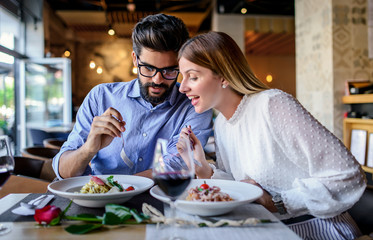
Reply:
x=177, y=238
x=173, y=238
x=5, y=228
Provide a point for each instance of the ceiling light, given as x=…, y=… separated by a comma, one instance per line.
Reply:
x=99, y=70
x=131, y=7
x=269, y=78
x=134, y=70
x=243, y=10
x=67, y=53
x=92, y=64
x=111, y=31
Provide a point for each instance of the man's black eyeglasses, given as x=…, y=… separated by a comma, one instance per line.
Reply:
x=168, y=73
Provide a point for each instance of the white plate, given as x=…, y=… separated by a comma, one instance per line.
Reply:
x=70, y=187
x=240, y=192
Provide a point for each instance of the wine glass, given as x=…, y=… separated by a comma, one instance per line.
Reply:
x=6, y=168
x=172, y=174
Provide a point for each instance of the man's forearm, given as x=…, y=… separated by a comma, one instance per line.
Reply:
x=74, y=163
x=146, y=173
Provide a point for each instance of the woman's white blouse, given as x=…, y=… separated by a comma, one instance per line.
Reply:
x=273, y=140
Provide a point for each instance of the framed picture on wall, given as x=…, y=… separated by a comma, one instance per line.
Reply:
x=358, y=144
x=370, y=151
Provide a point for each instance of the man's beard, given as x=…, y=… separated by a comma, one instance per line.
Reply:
x=144, y=91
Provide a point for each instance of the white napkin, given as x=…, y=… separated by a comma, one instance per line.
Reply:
x=27, y=211
x=260, y=232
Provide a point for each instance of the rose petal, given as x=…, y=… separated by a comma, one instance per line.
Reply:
x=46, y=214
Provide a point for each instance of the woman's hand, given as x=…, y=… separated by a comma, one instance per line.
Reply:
x=265, y=199
x=186, y=134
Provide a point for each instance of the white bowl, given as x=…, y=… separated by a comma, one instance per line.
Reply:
x=70, y=187
x=240, y=192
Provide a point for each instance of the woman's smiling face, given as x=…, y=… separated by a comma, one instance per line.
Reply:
x=201, y=85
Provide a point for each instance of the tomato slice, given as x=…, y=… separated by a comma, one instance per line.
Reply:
x=204, y=186
x=130, y=188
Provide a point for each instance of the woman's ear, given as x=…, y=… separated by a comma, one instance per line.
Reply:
x=224, y=82
x=134, y=59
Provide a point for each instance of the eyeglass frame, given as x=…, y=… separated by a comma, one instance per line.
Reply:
x=157, y=70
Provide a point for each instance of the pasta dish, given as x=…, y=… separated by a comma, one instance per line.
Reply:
x=205, y=193
x=98, y=185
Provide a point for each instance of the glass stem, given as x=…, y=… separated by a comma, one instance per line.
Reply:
x=173, y=219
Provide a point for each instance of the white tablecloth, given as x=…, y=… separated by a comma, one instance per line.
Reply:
x=268, y=231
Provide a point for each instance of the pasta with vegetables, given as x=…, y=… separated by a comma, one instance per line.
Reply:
x=108, y=185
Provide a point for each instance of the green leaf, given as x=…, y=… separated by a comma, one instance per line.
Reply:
x=136, y=215
x=114, y=183
x=111, y=207
x=84, y=217
x=55, y=221
x=82, y=229
x=122, y=212
x=87, y=215
x=266, y=221
x=144, y=216
x=111, y=219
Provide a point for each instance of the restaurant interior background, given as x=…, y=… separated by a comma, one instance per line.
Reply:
x=53, y=52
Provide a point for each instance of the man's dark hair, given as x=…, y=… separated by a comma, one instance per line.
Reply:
x=159, y=32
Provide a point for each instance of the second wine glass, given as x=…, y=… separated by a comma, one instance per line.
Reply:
x=173, y=175
x=6, y=169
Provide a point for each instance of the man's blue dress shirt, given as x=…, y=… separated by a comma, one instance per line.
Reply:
x=144, y=125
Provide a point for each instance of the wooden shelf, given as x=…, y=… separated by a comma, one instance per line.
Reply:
x=358, y=98
x=362, y=124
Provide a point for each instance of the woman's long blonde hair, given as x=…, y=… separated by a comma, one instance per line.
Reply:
x=218, y=52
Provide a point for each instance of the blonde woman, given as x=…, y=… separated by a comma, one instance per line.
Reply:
x=266, y=137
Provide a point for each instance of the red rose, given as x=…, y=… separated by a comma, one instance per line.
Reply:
x=46, y=214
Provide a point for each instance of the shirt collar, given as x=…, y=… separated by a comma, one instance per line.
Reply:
x=134, y=92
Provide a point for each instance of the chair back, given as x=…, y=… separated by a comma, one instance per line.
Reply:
x=38, y=135
x=47, y=172
x=46, y=155
x=53, y=143
x=27, y=166
x=41, y=153
x=35, y=168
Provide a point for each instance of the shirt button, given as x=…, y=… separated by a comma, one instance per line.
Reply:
x=140, y=159
x=151, y=111
x=144, y=134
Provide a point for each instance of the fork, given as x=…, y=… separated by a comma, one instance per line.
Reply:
x=34, y=203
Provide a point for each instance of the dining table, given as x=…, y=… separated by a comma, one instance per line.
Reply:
x=25, y=227
x=23, y=184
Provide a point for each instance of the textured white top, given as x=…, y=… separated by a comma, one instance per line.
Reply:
x=272, y=139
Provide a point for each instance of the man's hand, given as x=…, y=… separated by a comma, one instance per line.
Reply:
x=104, y=129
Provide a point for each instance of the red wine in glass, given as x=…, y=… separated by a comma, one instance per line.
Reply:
x=173, y=175
x=172, y=184
x=4, y=175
